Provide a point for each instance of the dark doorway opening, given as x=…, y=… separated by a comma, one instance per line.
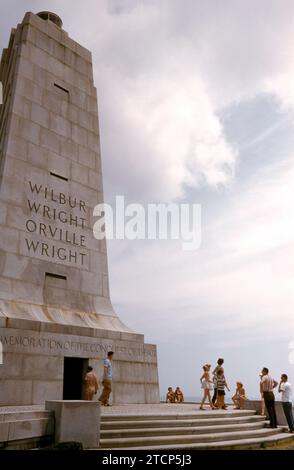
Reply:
x=73, y=377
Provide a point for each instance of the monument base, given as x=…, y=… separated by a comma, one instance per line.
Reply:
x=76, y=421
x=47, y=361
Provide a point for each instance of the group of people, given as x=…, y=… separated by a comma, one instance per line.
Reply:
x=218, y=384
x=174, y=396
x=91, y=384
x=267, y=386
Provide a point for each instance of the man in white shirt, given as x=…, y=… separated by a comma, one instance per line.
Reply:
x=286, y=390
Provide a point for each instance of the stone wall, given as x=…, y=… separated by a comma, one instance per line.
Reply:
x=51, y=177
x=256, y=405
x=33, y=361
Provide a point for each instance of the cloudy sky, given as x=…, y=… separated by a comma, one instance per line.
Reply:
x=196, y=104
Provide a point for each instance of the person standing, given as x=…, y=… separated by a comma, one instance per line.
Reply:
x=107, y=380
x=91, y=384
x=221, y=384
x=267, y=384
x=218, y=367
x=286, y=390
x=206, y=385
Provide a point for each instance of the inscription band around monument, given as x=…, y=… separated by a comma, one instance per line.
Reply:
x=69, y=345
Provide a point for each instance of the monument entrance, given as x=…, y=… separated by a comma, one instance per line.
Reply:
x=73, y=377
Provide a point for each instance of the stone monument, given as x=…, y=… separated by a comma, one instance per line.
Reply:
x=56, y=315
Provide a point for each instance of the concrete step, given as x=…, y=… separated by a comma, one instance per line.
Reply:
x=12, y=431
x=233, y=444
x=149, y=441
x=153, y=424
x=168, y=428
x=206, y=414
x=24, y=427
x=177, y=431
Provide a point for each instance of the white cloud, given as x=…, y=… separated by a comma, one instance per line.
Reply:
x=176, y=137
x=242, y=277
x=163, y=71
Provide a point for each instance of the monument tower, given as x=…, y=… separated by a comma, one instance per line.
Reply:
x=56, y=315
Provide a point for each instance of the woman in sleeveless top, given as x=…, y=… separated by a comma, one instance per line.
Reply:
x=239, y=397
x=206, y=385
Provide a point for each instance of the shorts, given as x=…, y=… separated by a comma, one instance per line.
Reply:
x=221, y=393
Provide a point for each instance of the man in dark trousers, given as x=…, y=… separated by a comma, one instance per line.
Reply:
x=267, y=384
x=286, y=390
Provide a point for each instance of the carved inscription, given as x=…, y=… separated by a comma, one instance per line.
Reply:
x=63, y=222
x=69, y=346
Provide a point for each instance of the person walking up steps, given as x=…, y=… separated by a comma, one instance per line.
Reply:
x=267, y=384
x=107, y=380
x=206, y=385
x=219, y=366
x=91, y=384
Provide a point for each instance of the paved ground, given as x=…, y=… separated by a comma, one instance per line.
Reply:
x=161, y=409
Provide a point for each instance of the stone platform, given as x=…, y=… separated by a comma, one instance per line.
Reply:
x=184, y=426
x=150, y=427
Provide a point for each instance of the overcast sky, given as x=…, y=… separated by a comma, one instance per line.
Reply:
x=196, y=104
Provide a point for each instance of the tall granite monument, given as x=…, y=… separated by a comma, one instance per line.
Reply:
x=56, y=315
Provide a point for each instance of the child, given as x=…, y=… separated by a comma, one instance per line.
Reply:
x=179, y=396
x=239, y=397
x=170, y=396
x=221, y=385
x=218, y=367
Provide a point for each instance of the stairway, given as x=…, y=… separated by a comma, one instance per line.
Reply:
x=25, y=427
x=221, y=429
